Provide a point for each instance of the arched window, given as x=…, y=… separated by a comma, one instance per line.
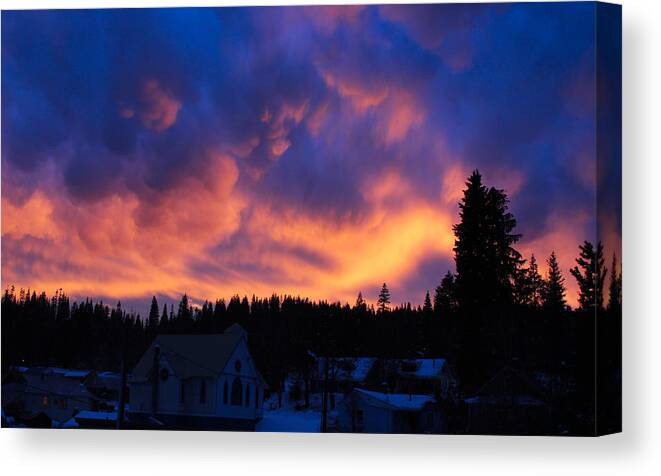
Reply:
x=237, y=392
x=256, y=397
x=248, y=395
x=225, y=392
x=203, y=391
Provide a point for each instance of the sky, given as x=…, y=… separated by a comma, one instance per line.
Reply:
x=313, y=151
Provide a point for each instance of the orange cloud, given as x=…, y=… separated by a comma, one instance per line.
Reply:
x=158, y=107
x=396, y=109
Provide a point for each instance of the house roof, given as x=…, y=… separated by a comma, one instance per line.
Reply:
x=508, y=386
x=395, y=401
x=349, y=369
x=55, y=384
x=427, y=369
x=191, y=355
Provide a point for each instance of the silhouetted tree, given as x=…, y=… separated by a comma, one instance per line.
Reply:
x=553, y=299
x=615, y=287
x=445, y=299
x=485, y=260
x=383, y=302
x=590, y=275
x=528, y=284
x=427, y=307
x=152, y=322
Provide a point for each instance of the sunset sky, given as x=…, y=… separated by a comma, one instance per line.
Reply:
x=317, y=151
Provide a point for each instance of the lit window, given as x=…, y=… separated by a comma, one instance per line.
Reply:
x=44, y=400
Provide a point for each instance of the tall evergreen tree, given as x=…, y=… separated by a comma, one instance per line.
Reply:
x=383, y=302
x=152, y=323
x=553, y=295
x=615, y=287
x=485, y=259
x=185, y=311
x=445, y=299
x=427, y=307
x=590, y=274
x=361, y=305
x=164, y=316
x=528, y=284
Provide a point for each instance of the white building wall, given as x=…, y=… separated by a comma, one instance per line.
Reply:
x=170, y=397
x=250, y=381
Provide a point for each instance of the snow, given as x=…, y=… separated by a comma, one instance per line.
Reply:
x=76, y=373
x=401, y=401
x=519, y=400
x=289, y=419
x=286, y=419
x=427, y=368
x=70, y=423
x=352, y=369
x=90, y=415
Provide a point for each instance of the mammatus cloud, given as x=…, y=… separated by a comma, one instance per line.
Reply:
x=317, y=151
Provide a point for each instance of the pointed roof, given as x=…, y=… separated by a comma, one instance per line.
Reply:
x=191, y=355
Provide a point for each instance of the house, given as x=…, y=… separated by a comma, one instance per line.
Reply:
x=197, y=382
x=344, y=373
x=104, y=385
x=509, y=403
x=366, y=411
x=44, y=393
x=427, y=376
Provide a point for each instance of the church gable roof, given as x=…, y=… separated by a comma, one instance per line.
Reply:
x=191, y=355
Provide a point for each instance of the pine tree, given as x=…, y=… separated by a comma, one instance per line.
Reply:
x=152, y=323
x=485, y=260
x=590, y=275
x=427, y=308
x=528, y=284
x=383, y=302
x=360, y=305
x=444, y=297
x=553, y=292
x=615, y=287
x=185, y=311
x=536, y=283
x=164, y=316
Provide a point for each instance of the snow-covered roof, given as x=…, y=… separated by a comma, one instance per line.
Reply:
x=76, y=373
x=423, y=368
x=521, y=400
x=355, y=369
x=90, y=415
x=396, y=401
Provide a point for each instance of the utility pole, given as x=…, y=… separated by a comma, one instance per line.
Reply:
x=324, y=411
x=122, y=388
x=154, y=380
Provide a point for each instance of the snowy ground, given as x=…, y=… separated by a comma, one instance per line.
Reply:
x=288, y=419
